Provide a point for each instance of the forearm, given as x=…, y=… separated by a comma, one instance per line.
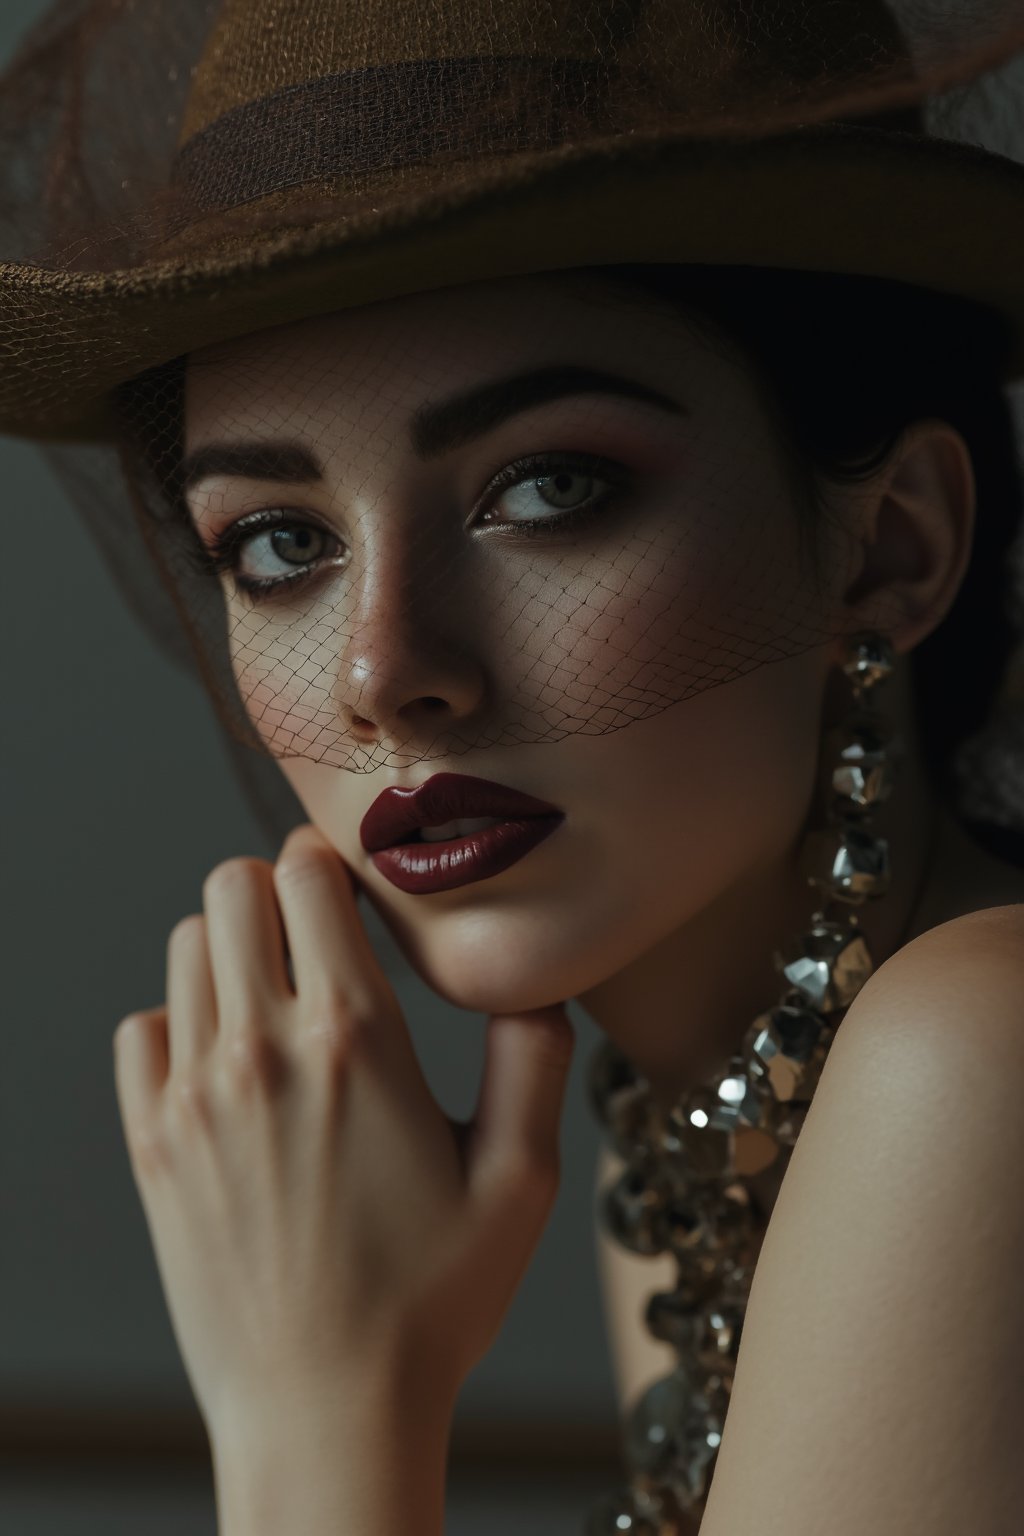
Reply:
x=378, y=1469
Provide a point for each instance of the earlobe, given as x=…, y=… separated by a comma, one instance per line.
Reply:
x=917, y=536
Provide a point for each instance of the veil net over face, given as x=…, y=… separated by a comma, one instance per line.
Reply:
x=401, y=483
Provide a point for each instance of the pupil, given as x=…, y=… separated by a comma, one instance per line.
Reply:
x=301, y=536
x=561, y=483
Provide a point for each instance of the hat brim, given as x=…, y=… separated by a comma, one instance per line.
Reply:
x=839, y=198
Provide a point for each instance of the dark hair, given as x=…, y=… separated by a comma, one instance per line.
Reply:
x=848, y=364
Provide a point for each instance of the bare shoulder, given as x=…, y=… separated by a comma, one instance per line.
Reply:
x=1000, y=924
x=961, y=981
x=880, y=1380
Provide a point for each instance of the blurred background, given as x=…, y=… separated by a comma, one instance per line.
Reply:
x=118, y=802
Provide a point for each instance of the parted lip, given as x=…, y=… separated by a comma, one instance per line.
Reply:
x=397, y=813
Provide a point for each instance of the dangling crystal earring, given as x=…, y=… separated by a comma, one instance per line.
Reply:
x=683, y=1189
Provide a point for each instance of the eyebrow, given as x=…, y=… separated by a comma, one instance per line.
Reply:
x=435, y=429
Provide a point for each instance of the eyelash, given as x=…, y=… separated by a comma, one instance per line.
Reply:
x=223, y=551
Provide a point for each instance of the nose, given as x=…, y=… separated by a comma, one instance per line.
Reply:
x=409, y=666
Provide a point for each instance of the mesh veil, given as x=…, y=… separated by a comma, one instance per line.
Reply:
x=326, y=296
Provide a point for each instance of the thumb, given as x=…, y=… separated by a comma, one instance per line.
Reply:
x=519, y=1110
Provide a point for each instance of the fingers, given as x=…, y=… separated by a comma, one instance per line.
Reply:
x=332, y=957
x=228, y=981
x=141, y=1061
x=246, y=946
x=518, y=1118
x=341, y=991
x=191, y=995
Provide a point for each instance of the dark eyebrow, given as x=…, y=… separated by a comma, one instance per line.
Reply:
x=254, y=461
x=435, y=429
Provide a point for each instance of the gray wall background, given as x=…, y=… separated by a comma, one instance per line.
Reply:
x=118, y=801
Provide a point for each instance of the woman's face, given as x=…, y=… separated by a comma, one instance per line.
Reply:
x=601, y=666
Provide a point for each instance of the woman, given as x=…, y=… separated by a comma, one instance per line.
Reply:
x=595, y=575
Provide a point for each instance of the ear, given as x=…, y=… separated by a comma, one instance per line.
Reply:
x=915, y=536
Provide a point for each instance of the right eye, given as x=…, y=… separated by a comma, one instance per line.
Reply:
x=289, y=537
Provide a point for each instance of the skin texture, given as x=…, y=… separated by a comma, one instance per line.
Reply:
x=352, y=1295
x=659, y=901
x=328, y=1305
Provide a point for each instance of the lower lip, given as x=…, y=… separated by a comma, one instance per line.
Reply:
x=422, y=867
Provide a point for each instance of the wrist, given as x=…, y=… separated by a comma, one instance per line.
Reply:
x=373, y=1463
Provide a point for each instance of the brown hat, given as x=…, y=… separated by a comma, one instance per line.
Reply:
x=197, y=170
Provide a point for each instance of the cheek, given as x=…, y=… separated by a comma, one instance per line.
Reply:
x=665, y=817
x=722, y=786
x=684, y=807
x=694, y=596
x=285, y=671
x=333, y=801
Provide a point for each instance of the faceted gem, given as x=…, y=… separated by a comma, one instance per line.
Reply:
x=712, y=1239
x=789, y=1122
x=829, y=965
x=718, y=1338
x=856, y=757
x=662, y=1496
x=712, y=1229
x=634, y=1209
x=869, y=661
x=786, y=1049
x=700, y=1276
x=722, y=1131
x=847, y=862
x=627, y=1513
x=621, y=1100
x=690, y=1497
x=707, y=1335
x=675, y=1428
x=674, y=1321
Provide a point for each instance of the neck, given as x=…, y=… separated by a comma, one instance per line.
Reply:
x=681, y=1009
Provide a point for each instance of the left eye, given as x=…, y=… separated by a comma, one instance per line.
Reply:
x=560, y=491
x=551, y=481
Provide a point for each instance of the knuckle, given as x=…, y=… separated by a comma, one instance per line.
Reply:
x=250, y=1063
x=327, y=1053
x=193, y=1101
x=337, y=1019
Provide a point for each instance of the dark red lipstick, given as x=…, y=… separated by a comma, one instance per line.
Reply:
x=391, y=831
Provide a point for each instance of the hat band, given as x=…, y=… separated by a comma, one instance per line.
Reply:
x=364, y=120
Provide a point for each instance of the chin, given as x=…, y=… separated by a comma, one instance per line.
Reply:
x=486, y=989
x=483, y=975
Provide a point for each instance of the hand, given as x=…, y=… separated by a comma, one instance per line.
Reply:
x=320, y=1225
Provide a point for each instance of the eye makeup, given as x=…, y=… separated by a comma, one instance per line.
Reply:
x=223, y=552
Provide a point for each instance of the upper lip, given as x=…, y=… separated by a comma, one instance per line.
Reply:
x=446, y=797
